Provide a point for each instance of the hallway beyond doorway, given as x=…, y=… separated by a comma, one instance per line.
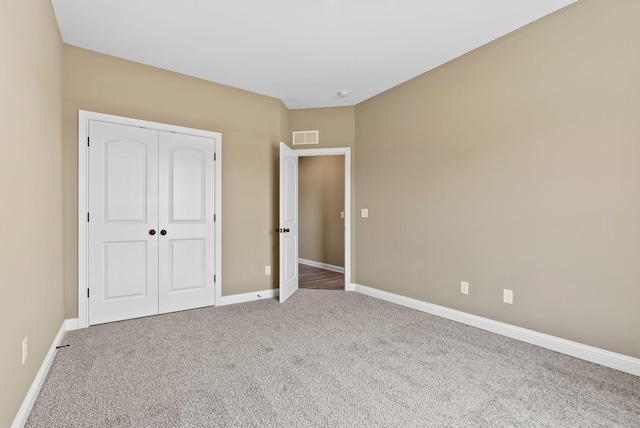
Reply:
x=319, y=279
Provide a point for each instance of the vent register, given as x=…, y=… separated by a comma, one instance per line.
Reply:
x=306, y=137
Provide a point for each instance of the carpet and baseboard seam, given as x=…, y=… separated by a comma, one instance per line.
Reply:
x=592, y=354
x=323, y=358
x=588, y=353
x=32, y=394
x=248, y=297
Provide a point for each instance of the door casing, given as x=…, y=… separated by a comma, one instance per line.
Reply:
x=346, y=152
x=83, y=198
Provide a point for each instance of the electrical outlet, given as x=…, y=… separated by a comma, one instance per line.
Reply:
x=341, y=214
x=464, y=287
x=507, y=296
x=267, y=270
x=24, y=350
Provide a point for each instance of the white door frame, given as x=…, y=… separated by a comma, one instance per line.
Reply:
x=346, y=152
x=84, y=117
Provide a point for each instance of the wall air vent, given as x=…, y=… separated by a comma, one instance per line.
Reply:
x=306, y=137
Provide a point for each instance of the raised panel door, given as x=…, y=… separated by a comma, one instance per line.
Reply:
x=288, y=222
x=186, y=222
x=123, y=209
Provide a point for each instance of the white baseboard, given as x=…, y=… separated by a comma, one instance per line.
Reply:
x=27, y=404
x=72, y=324
x=603, y=357
x=249, y=297
x=321, y=265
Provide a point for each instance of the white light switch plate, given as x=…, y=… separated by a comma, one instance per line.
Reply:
x=364, y=212
x=24, y=350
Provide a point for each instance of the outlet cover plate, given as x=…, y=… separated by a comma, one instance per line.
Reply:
x=464, y=287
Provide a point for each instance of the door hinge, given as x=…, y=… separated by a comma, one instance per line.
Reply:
x=87, y=141
x=214, y=217
x=214, y=156
x=214, y=278
x=87, y=293
x=87, y=217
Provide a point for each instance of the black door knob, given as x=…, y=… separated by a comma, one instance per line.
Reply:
x=152, y=232
x=286, y=230
x=163, y=232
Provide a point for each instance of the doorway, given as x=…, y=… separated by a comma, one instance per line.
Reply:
x=321, y=222
x=288, y=216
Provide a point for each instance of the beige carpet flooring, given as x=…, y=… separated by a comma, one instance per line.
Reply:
x=322, y=359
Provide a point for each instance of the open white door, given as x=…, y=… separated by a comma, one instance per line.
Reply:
x=288, y=222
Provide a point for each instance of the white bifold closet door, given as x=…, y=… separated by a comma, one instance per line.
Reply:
x=151, y=225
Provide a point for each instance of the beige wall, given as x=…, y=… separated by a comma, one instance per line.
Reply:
x=251, y=130
x=337, y=129
x=320, y=201
x=285, y=135
x=515, y=166
x=336, y=126
x=31, y=302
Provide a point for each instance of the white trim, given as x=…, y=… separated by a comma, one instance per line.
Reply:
x=248, y=297
x=218, y=223
x=83, y=200
x=346, y=152
x=603, y=357
x=27, y=404
x=321, y=265
x=83, y=208
x=72, y=324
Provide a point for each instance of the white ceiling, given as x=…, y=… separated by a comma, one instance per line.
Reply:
x=300, y=51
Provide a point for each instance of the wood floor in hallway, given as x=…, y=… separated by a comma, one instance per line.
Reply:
x=319, y=279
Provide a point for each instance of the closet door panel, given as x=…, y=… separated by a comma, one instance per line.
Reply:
x=123, y=209
x=186, y=195
x=187, y=185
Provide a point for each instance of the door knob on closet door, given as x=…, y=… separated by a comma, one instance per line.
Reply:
x=163, y=232
x=152, y=232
